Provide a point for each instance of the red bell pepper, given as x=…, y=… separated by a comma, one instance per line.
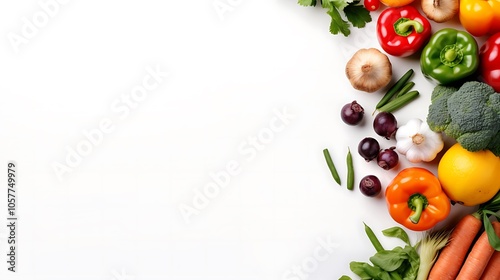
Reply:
x=489, y=55
x=402, y=31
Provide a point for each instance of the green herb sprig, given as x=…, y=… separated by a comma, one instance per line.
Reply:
x=343, y=14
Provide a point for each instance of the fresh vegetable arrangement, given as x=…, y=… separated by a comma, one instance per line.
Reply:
x=463, y=107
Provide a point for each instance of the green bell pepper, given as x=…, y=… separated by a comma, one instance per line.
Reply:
x=449, y=56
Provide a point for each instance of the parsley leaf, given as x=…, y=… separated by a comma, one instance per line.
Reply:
x=357, y=14
x=338, y=24
x=343, y=14
x=307, y=2
x=340, y=4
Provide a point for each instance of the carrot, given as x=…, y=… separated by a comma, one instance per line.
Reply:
x=492, y=270
x=452, y=256
x=478, y=257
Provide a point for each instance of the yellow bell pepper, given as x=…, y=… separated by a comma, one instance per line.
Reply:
x=480, y=17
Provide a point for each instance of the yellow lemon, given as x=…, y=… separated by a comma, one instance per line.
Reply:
x=469, y=178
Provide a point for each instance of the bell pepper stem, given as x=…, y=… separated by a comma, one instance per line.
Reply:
x=450, y=54
x=417, y=203
x=404, y=26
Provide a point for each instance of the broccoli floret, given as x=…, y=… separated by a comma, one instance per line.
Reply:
x=438, y=117
x=494, y=144
x=471, y=115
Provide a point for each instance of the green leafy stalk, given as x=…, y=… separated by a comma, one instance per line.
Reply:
x=487, y=209
x=490, y=231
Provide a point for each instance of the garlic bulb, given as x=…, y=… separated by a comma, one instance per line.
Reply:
x=418, y=142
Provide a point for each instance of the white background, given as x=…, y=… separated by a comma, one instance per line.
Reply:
x=116, y=214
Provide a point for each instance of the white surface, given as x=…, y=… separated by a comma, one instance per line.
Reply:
x=116, y=215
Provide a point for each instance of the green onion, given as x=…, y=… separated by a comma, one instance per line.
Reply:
x=350, y=171
x=395, y=88
x=333, y=170
x=399, y=102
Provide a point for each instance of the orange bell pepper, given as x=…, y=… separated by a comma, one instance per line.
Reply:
x=480, y=17
x=416, y=200
x=396, y=3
